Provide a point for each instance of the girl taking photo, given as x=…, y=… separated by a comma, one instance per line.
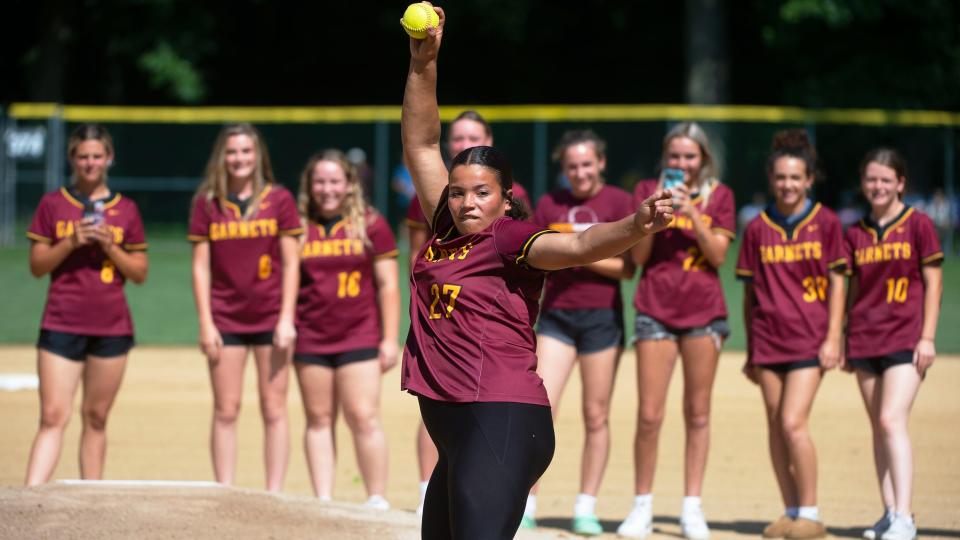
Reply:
x=90, y=240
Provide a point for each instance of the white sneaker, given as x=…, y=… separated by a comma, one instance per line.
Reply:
x=901, y=528
x=693, y=525
x=639, y=523
x=420, y=510
x=878, y=528
x=377, y=502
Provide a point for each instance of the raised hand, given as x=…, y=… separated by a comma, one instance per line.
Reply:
x=655, y=213
x=426, y=50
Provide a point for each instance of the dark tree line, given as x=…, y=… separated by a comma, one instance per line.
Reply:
x=856, y=53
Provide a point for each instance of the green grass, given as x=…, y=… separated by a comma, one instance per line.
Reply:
x=163, y=309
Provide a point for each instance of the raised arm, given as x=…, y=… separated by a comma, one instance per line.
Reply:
x=603, y=240
x=420, y=119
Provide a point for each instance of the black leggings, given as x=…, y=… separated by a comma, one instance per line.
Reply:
x=491, y=454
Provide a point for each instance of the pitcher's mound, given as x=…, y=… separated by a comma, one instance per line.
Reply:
x=112, y=511
x=154, y=512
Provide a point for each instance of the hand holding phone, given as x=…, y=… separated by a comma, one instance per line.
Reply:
x=672, y=178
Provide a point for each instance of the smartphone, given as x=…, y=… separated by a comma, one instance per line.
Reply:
x=672, y=178
x=94, y=211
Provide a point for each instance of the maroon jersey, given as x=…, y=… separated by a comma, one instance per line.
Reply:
x=789, y=268
x=337, y=308
x=86, y=290
x=678, y=286
x=416, y=219
x=580, y=288
x=887, y=314
x=245, y=267
x=473, y=302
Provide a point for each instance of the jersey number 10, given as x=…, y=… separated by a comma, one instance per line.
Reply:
x=897, y=290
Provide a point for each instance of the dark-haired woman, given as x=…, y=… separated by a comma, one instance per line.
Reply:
x=582, y=312
x=90, y=240
x=895, y=293
x=244, y=230
x=470, y=356
x=792, y=264
x=467, y=130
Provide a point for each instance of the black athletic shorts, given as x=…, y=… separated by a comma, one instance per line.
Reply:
x=336, y=360
x=253, y=338
x=878, y=364
x=784, y=367
x=589, y=330
x=78, y=347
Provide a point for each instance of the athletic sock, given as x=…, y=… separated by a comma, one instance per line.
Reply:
x=792, y=512
x=691, y=504
x=531, y=509
x=643, y=500
x=423, y=489
x=585, y=506
x=808, y=512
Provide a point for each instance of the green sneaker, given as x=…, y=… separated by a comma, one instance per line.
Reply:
x=587, y=525
x=528, y=522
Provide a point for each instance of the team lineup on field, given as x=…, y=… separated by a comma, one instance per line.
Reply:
x=509, y=304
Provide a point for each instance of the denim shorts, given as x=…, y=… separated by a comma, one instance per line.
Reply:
x=646, y=327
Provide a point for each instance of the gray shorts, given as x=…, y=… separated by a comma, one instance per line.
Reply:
x=589, y=330
x=646, y=327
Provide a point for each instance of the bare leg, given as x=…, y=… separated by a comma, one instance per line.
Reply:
x=900, y=386
x=800, y=387
x=772, y=387
x=870, y=389
x=597, y=372
x=59, y=378
x=358, y=391
x=700, y=356
x=555, y=361
x=320, y=408
x=655, y=361
x=226, y=378
x=426, y=453
x=101, y=381
x=273, y=368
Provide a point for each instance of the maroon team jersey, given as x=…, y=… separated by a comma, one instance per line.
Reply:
x=416, y=219
x=337, y=308
x=580, y=288
x=789, y=268
x=245, y=267
x=473, y=302
x=678, y=286
x=86, y=290
x=887, y=314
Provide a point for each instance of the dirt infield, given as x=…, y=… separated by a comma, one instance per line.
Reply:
x=159, y=431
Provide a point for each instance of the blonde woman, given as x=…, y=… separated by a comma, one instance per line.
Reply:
x=680, y=314
x=348, y=314
x=244, y=230
x=90, y=240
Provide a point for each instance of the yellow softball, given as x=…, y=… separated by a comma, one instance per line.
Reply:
x=417, y=18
